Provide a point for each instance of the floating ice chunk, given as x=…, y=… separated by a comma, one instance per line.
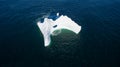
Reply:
x=62, y=22
x=57, y=14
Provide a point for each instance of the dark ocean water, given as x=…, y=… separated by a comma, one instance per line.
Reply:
x=97, y=45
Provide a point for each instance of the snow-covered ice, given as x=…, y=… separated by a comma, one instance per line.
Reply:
x=62, y=22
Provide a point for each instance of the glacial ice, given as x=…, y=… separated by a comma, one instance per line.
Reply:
x=61, y=22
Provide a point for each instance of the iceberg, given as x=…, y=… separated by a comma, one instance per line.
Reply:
x=56, y=22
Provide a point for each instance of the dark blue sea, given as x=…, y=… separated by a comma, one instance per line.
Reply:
x=97, y=45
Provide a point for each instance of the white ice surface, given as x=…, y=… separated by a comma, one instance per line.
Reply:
x=63, y=22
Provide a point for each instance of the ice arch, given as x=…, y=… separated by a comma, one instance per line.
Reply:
x=60, y=22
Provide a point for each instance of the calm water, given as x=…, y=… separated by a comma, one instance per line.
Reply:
x=97, y=45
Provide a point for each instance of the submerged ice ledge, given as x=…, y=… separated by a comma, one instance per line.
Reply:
x=52, y=23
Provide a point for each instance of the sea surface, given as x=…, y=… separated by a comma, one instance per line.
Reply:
x=97, y=45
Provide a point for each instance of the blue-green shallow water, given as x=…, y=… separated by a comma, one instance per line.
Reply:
x=97, y=45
